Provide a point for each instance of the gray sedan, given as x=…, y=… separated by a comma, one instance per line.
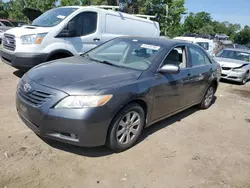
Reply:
x=235, y=64
x=109, y=94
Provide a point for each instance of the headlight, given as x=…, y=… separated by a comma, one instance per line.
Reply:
x=77, y=102
x=239, y=70
x=33, y=39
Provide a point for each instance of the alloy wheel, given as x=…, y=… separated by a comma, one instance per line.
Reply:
x=128, y=127
x=209, y=96
x=244, y=81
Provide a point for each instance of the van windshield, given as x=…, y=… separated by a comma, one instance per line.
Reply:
x=53, y=17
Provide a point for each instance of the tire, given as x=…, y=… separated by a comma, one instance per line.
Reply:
x=245, y=78
x=118, y=139
x=208, y=98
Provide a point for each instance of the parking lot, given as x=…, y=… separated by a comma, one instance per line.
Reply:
x=195, y=149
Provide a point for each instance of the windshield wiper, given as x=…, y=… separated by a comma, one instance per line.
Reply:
x=99, y=61
x=108, y=63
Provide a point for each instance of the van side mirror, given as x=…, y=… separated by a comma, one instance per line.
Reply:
x=171, y=69
x=69, y=30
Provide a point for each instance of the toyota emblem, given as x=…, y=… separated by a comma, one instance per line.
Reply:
x=26, y=87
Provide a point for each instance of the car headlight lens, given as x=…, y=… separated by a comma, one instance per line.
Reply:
x=239, y=70
x=33, y=39
x=78, y=102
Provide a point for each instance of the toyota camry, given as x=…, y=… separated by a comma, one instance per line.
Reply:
x=108, y=95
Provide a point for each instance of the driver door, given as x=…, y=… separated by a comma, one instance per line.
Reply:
x=172, y=90
x=86, y=32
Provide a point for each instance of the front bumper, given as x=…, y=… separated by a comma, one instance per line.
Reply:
x=22, y=60
x=83, y=127
x=231, y=75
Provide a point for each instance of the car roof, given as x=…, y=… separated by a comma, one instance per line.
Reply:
x=238, y=50
x=193, y=39
x=159, y=41
x=109, y=11
x=4, y=20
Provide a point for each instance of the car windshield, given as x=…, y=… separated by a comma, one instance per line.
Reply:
x=127, y=53
x=238, y=55
x=15, y=23
x=53, y=17
x=8, y=24
x=204, y=45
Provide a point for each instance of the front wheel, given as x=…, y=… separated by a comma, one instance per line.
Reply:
x=208, y=98
x=126, y=128
x=245, y=78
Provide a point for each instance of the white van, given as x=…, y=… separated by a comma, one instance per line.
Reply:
x=68, y=31
x=207, y=44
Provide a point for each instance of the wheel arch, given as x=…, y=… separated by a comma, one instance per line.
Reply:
x=142, y=103
x=215, y=84
x=57, y=52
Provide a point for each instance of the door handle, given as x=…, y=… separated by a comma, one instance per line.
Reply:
x=96, y=39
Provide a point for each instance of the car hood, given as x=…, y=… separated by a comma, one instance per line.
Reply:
x=78, y=75
x=27, y=30
x=31, y=13
x=225, y=62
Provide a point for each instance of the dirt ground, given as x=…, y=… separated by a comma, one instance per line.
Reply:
x=194, y=149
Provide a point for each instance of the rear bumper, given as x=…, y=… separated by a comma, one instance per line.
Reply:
x=22, y=60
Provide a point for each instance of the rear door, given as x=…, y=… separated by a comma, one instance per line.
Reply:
x=86, y=32
x=201, y=72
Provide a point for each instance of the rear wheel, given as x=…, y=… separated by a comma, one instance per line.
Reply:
x=245, y=78
x=126, y=128
x=208, y=98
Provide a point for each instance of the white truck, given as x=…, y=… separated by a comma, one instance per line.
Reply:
x=68, y=31
x=207, y=44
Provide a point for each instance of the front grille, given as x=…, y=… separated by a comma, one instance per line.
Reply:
x=226, y=68
x=223, y=75
x=36, y=97
x=9, y=42
x=233, y=77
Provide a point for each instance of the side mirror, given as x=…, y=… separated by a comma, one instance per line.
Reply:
x=68, y=31
x=171, y=69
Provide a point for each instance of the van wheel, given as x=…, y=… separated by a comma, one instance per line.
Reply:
x=208, y=98
x=126, y=128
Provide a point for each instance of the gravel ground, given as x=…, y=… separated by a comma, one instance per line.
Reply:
x=198, y=149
